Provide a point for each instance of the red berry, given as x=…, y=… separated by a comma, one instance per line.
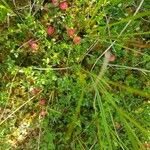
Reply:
x=77, y=40
x=54, y=2
x=43, y=113
x=42, y=101
x=35, y=91
x=63, y=5
x=112, y=58
x=71, y=32
x=50, y=30
x=34, y=46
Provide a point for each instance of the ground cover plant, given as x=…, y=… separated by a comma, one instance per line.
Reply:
x=74, y=75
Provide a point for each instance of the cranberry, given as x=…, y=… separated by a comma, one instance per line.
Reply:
x=77, y=40
x=54, y=2
x=63, y=5
x=34, y=46
x=112, y=58
x=71, y=32
x=35, y=91
x=50, y=30
x=43, y=113
x=42, y=101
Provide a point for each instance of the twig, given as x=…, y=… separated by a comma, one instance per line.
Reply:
x=93, y=144
x=32, y=5
x=132, y=68
x=42, y=69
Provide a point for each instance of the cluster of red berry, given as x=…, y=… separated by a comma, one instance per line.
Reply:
x=51, y=29
x=42, y=101
x=70, y=31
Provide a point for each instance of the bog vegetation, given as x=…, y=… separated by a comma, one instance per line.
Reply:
x=74, y=75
